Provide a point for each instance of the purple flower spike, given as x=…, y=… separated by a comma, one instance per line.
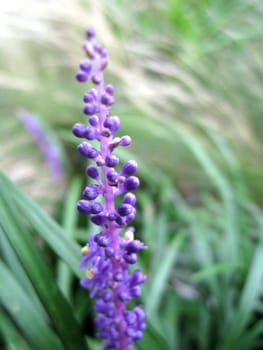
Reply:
x=110, y=253
x=46, y=144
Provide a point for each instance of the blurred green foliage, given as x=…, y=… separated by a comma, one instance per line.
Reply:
x=188, y=78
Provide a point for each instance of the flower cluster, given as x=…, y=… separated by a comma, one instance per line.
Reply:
x=109, y=253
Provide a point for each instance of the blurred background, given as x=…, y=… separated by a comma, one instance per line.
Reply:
x=188, y=77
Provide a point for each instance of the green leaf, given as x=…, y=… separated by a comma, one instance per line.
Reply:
x=64, y=246
x=249, y=338
x=22, y=310
x=219, y=179
x=69, y=224
x=12, y=261
x=12, y=337
x=152, y=340
x=157, y=285
x=249, y=298
x=56, y=306
x=213, y=271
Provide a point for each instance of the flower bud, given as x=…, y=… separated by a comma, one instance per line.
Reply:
x=137, y=335
x=96, y=208
x=88, y=48
x=79, y=130
x=90, y=33
x=129, y=198
x=108, y=296
x=112, y=123
x=103, y=53
x=88, y=97
x=131, y=183
x=123, y=296
x=129, y=168
x=81, y=76
x=85, y=66
x=124, y=209
x=131, y=216
x=134, y=246
x=111, y=161
x=130, y=258
x=109, y=252
x=84, y=206
x=93, y=172
x=125, y=141
x=120, y=221
x=91, y=133
x=99, y=219
x=87, y=150
x=94, y=120
x=112, y=176
x=137, y=277
x=107, y=100
x=89, y=109
x=135, y=292
x=109, y=88
x=91, y=192
x=102, y=240
x=118, y=277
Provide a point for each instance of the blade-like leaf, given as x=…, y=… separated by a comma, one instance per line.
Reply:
x=159, y=281
x=64, y=246
x=12, y=337
x=12, y=261
x=249, y=298
x=37, y=270
x=22, y=310
x=69, y=224
x=152, y=340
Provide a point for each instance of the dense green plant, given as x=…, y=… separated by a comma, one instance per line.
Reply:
x=204, y=265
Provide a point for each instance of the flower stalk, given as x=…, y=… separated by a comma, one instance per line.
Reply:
x=111, y=252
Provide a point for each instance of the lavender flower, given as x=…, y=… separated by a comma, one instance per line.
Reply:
x=109, y=253
x=46, y=145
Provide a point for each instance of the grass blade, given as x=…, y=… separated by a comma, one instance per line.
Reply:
x=49, y=294
x=22, y=310
x=158, y=283
x=12, y=337
x=69, y=225
x=67, y=249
